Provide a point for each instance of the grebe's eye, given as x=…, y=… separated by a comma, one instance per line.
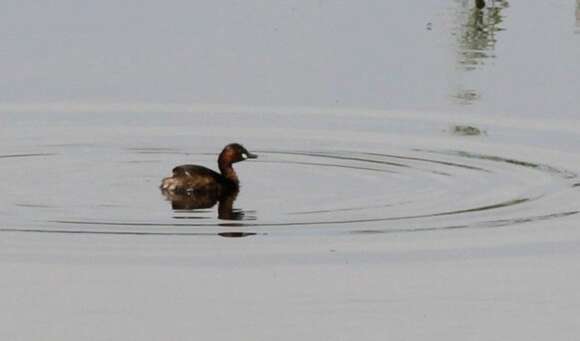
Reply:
x=244, y=155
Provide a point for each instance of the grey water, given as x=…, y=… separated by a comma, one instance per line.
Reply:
x=509, y=58
x=356, y=168
x=372, y=175
x=430, y=148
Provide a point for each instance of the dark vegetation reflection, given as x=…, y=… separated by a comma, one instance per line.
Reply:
x=477, y=26
x=577, y=16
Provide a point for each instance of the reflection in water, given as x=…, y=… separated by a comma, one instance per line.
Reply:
x=191, y=202
x=466, y=96
x=476, y=40
x=577, y=16
x=477, y=35
x=236, y=234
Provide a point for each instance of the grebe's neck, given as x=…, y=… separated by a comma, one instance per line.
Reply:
x=228, y=171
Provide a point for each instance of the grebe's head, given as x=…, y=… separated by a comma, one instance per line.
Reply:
x=235, y=152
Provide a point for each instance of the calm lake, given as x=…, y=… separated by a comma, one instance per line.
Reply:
x=418, y=171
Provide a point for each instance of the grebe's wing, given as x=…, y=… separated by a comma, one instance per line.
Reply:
x=194, y=170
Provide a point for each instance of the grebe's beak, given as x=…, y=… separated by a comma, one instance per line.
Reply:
x=251, y=156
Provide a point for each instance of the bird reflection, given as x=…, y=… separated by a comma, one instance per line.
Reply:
x=195, y=201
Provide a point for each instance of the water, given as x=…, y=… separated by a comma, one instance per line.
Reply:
x=360, y=174
x=445, y=57
x=418, y=173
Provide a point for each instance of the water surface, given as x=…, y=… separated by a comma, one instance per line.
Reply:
x=361, y=173
x=417, y=178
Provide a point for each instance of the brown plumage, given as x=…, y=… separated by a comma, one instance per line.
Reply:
x=201, y=180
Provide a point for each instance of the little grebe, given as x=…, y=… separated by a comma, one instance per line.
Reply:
x=198, y=179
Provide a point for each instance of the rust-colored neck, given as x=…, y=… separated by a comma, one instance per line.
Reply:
x=227, y=170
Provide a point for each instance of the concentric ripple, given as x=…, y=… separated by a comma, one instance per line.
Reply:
x=286, y=191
